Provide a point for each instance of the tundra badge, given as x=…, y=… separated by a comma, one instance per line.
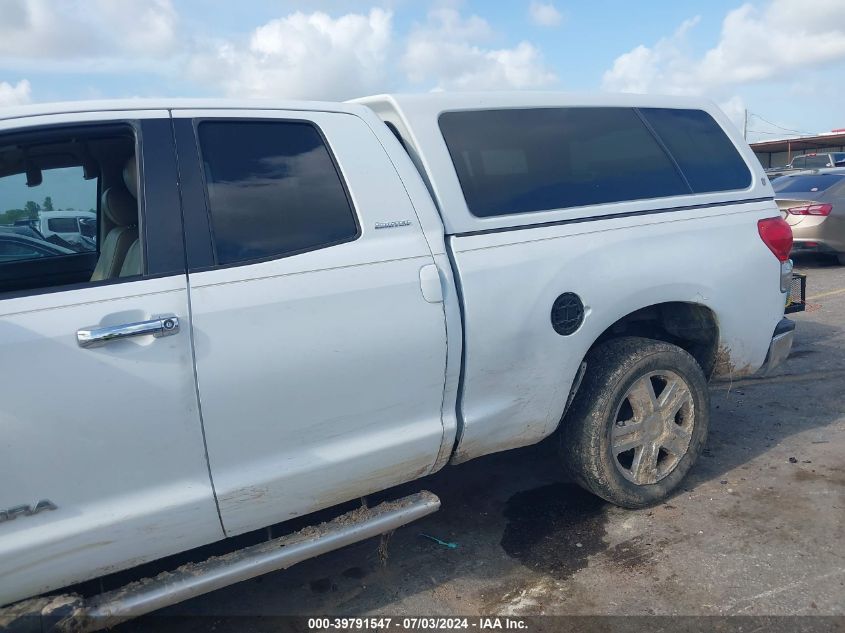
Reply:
x=392, y=225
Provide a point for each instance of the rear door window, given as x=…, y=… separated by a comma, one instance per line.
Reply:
x=273, y=190
x=524, y=160
x=705, y=154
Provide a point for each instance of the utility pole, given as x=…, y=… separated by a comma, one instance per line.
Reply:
x=745, y=126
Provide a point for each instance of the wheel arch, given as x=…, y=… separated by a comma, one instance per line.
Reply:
x=691, y=326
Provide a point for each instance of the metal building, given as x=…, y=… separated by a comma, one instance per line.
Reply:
x=780, y=152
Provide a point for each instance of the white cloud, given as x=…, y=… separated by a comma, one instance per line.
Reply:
x=664, y=67
x=43, y=32
x=146, y=27
x=38, y=29
x=734, y=108
x=543, y=14
x=755, y=45
x=302, y=56
x=12, y=95
x=450, y=52
x=299, y=55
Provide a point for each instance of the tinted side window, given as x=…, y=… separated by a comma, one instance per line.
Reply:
x=273, y=190
x=63, y=225
x=703, y=151
x=523, y=160
x=819, y=160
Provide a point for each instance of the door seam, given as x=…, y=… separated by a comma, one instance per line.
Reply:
x=199, y=405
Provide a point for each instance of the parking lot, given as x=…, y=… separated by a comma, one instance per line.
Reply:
x=757, y=529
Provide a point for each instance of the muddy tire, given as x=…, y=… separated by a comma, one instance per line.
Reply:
x=638, y=422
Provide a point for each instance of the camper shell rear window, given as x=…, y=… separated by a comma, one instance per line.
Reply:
x=521, y=160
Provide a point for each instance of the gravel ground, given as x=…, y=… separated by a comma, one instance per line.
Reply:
x=757, y=529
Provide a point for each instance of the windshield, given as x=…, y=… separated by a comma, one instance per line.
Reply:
x=811, y=183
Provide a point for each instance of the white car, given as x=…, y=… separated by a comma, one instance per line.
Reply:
x=71, y=226
x=295, y=305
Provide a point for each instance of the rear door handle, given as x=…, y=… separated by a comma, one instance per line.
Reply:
x=158, y=327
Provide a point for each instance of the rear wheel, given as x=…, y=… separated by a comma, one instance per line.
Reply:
x=638, y=422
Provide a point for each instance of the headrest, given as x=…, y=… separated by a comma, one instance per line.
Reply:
x=120, y=207
x=130, y=176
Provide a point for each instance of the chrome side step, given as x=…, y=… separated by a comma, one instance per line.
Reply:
x=194, y=579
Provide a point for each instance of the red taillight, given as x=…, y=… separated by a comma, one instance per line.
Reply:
x=777, y=235
x=811, y=209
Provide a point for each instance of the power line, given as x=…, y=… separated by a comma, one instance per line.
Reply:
x=780, y=127
x=764, y=132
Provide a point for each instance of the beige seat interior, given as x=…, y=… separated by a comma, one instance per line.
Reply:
x=120, y=254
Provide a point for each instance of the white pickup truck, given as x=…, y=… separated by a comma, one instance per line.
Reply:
x=295, y=305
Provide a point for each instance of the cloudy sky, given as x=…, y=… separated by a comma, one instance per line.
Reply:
x=783, y=60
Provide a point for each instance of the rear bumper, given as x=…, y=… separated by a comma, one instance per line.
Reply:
x=780, y=346
x=823, y=234
x=801, y=247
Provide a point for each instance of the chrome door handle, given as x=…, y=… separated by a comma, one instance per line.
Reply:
x=158, y=327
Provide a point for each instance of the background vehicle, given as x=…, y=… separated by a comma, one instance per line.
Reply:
x=25, y=244
x=808, y=161
x=376, y=290
x=76, y=228
x=31, y=223
x=817, y=161
x=813, y=202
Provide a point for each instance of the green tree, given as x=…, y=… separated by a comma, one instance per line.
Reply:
x=11, y=216
x=32, y=208
x=48, y=204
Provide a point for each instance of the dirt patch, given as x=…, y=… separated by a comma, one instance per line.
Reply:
x=725, y=369
x=635, y=555
x=833, y=476
x=555, y=529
